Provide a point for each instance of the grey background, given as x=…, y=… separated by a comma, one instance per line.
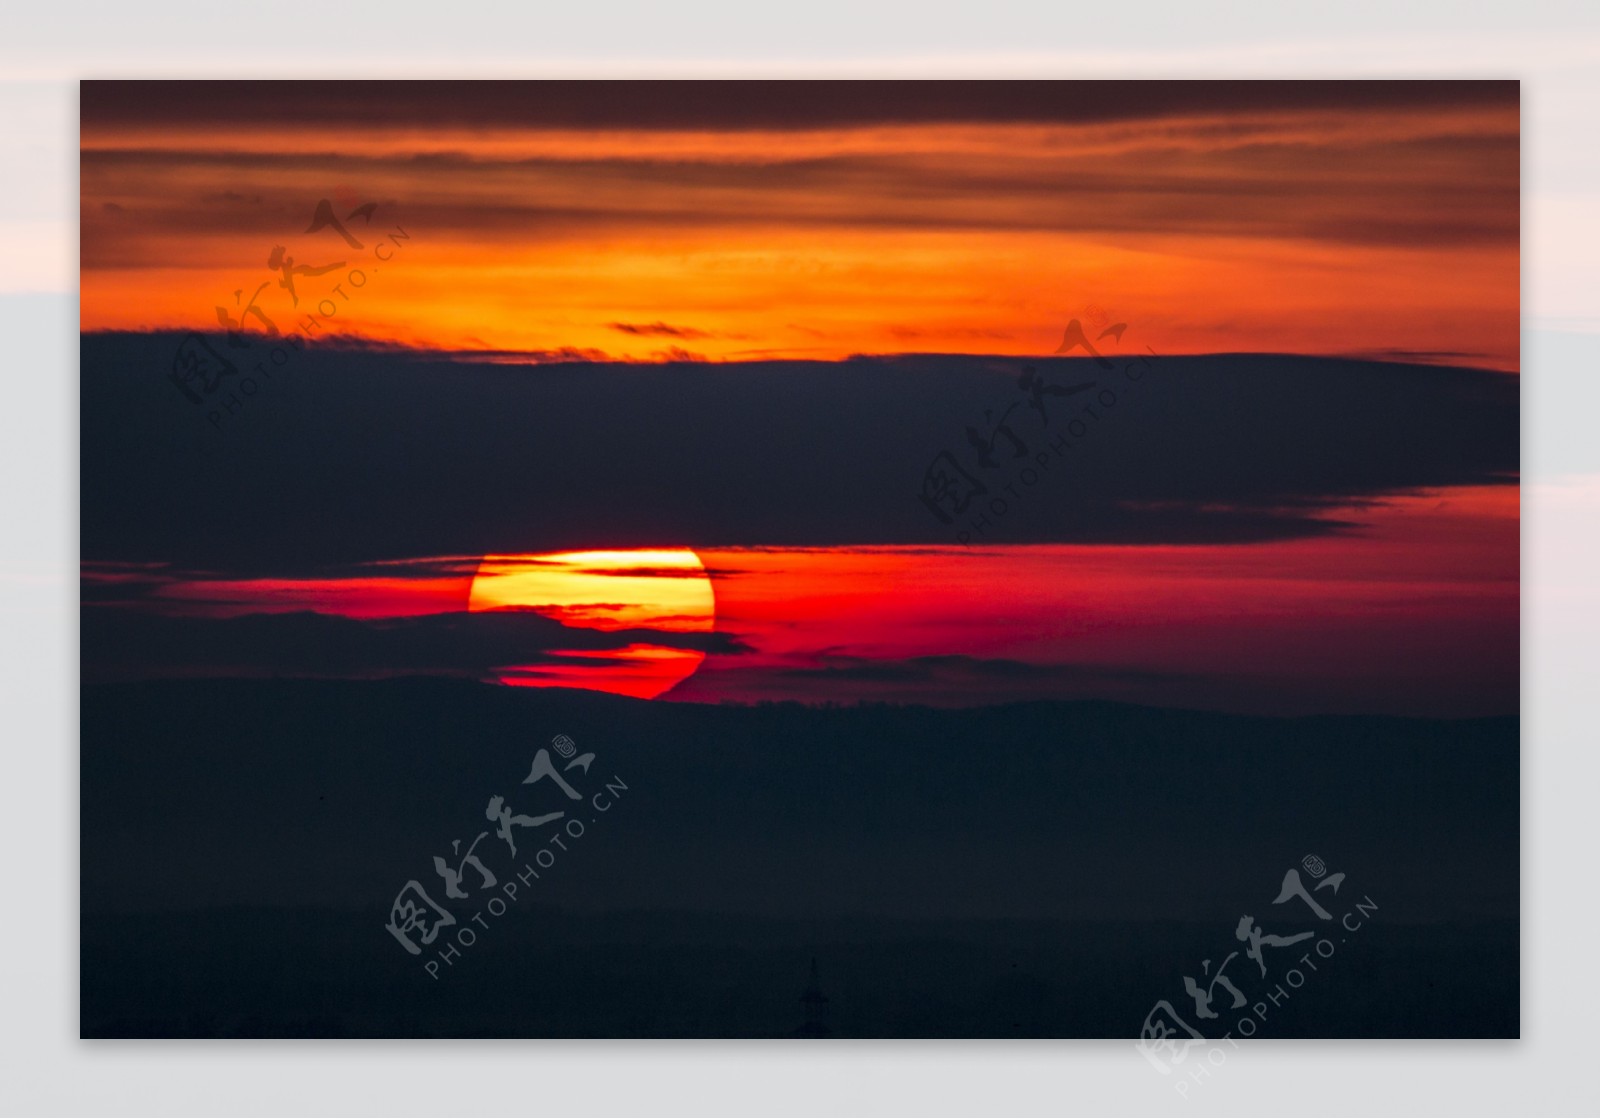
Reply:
x=1554, y=48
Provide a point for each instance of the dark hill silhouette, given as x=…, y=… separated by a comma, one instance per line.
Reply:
x=1041, y=869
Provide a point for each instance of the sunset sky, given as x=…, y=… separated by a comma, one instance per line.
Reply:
x=821, y=221
x=1290, y=535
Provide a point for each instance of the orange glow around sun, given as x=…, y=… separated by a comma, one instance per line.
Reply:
x=660, y=589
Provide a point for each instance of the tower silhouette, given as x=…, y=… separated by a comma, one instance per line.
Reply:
x=815, y=1005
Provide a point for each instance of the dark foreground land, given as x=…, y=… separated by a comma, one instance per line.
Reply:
x=1030, y=870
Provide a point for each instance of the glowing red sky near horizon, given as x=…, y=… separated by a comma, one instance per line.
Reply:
x=1417, y=613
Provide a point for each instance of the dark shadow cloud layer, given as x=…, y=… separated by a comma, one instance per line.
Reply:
x=344, y=456
x=729, y=105
x=1445, y=191
x=133, y=644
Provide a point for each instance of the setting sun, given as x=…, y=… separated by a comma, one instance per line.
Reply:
x=644, y=589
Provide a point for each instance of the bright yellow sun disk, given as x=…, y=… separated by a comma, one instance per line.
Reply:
x=607, y=590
